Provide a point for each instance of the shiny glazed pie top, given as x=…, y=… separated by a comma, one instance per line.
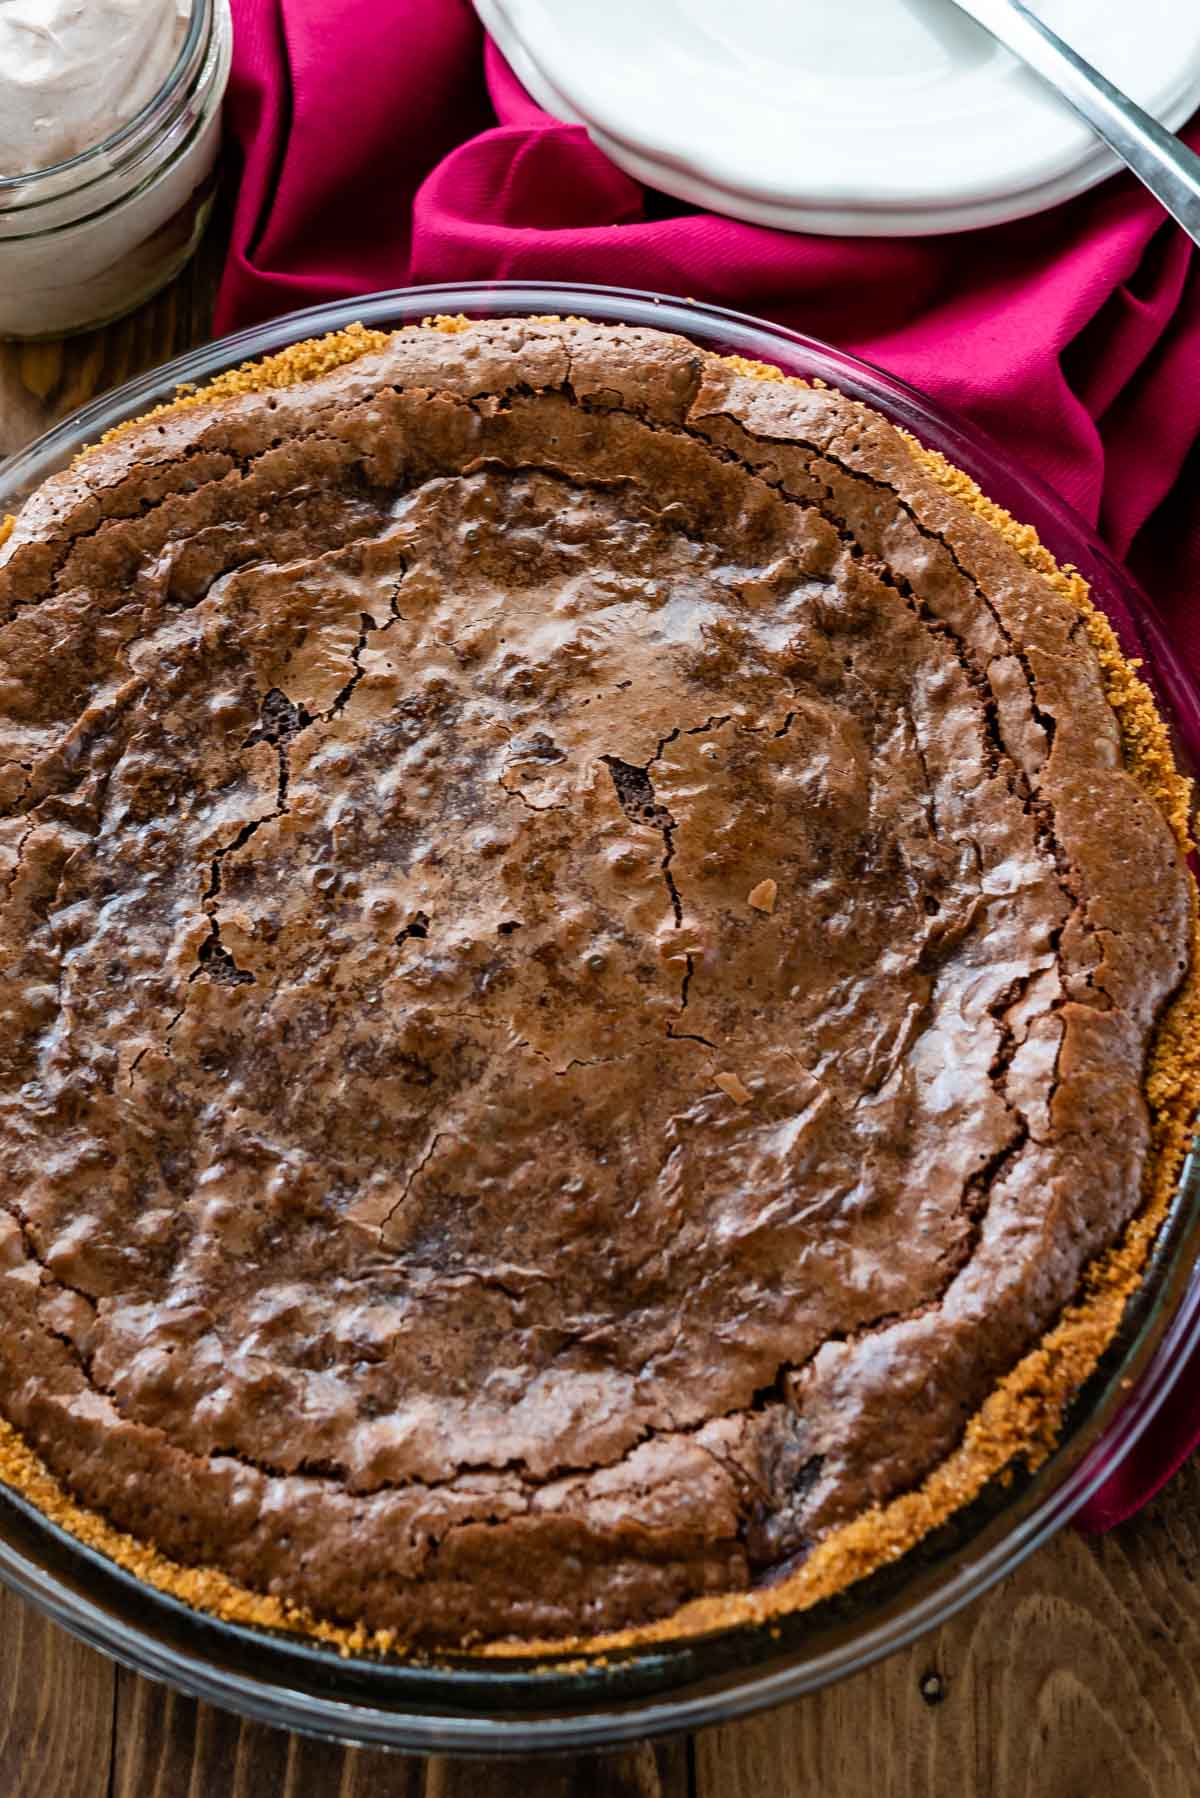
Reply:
x=577, y=956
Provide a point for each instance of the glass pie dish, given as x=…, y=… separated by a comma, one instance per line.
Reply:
x=466, y=1704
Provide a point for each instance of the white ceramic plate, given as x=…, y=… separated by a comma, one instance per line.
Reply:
x=870, y=117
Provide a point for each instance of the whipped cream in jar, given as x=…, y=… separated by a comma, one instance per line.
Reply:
x=109, y=131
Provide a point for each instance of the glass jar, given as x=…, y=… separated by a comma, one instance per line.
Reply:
x=87, y=240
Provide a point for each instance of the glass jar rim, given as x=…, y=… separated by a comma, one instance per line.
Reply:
x=97, y=161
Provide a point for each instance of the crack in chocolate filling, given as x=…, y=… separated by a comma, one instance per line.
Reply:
x=578, y=959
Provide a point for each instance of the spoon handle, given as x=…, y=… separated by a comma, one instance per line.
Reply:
x=1167, y=167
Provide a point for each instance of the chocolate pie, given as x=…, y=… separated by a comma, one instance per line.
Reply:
x=597, y=964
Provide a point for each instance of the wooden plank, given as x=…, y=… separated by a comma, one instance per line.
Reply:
x=171, y=1747
x=56, y=1709
x=642, y=1772
x=1078, y=1677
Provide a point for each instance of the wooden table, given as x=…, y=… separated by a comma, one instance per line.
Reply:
x=1079, y=1677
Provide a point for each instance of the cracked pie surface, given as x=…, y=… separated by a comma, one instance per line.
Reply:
x=581, y=944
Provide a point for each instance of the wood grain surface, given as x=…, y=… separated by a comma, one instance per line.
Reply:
x=1078, y=1677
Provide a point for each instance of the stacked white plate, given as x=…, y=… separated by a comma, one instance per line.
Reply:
x=867, y=117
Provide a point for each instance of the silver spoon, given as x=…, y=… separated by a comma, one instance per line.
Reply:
x=1168, y=168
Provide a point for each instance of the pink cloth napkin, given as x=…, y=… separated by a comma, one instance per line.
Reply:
x=388, y=144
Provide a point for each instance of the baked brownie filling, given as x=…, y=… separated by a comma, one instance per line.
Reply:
x=578, y=962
